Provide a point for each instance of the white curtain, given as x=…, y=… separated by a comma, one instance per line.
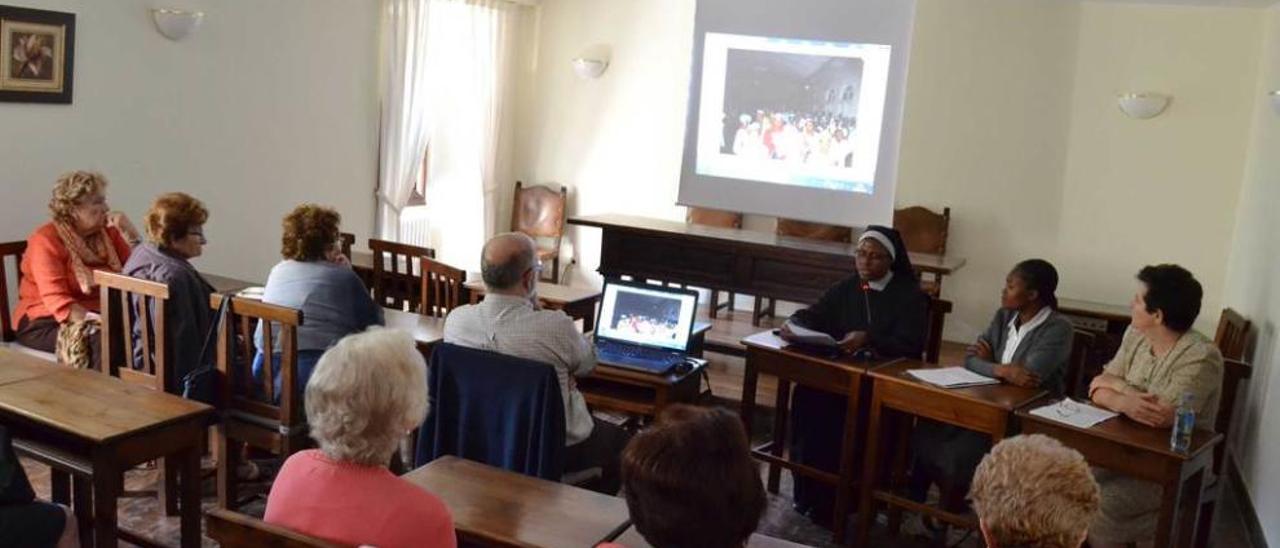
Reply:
x=449, y=61
x=469, y=57
x=406, y=116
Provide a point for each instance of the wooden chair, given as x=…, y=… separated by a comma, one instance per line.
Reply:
x=1234, y=371
x=800, y=229
x=234, y=530
x=924, y=231
x=1074, y=383
x=814, y=231
x=347, y=240
x=937, y=316
x=250, y=413
x=719, y=219
x=1233, y=334
x=397, y=269
x=442, y=288
x=539, y=211
x=126, y=302
x=7, y=250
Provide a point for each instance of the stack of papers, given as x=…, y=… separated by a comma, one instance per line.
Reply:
x=1074, y=413
x=803, y=335
x=951, y=377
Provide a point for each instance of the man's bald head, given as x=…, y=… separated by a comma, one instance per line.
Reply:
x=504, y=260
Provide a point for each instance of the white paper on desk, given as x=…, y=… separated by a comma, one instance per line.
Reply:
x=804, y=335
x=1074, y=413
x=952, y=377
x=254, y=293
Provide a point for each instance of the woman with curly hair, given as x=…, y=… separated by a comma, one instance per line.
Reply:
x=57, y=285
x=175, y=235
x=316, y=278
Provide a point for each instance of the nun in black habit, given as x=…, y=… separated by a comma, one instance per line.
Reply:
x=878, y=312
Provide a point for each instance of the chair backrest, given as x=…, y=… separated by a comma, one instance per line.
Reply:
x=539, y=211
x=814, y=231
x=443, y=288
x=397, y=269
x=7, y=250
x=1232, y=335
x=937, y=316
x=232, y=529
x=496, y=409
x=129, y=304
x=713, y=217
x=347, y=239
x=923, y=231
x=1081, y=348
x=255, y=399
x=1233, y=371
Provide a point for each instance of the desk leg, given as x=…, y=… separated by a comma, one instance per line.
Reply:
x=82, y=494
x=749, y=378
x=189, y=484
x=166, y=489
x=589, y=317
x=106, y=488
x=1169, y=505
x=59, y=486
x=844, y=490
x=780, y=416
x=866, y=509
x=1189, y=509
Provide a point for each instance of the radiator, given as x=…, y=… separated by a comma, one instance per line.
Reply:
x=415, y=226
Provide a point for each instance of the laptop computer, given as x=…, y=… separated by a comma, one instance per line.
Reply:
x=644, y=327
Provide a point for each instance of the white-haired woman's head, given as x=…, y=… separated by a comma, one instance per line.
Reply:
x=364, y=395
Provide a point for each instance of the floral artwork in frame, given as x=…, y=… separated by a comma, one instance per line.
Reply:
x=37, y=49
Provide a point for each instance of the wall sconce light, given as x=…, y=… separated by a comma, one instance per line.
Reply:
x=1275, y=100
x=1141, y=106
x=589, y=69
x=176, y=24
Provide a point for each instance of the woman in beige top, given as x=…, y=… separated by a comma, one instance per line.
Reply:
x=1161, y=359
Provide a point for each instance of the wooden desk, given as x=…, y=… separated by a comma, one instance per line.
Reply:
x=986, y=409
x=632, y=539
x=745, y=261
x=16, y=366
x=578, y=302
x=111, y=426
x=226, y=284
x=1133, y=449
x=628, y=391
x=770, y=355
x=494, y=507
x=426, y=330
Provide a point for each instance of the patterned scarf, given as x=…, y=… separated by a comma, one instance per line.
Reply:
x=100, y=253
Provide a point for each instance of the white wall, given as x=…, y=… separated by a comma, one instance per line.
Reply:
x=1252, y=290
x=988, y=103
x=267, y=104
x=1010, y=121
x=1139, y=192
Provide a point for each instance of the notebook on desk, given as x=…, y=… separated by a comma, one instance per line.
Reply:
x=645, y=327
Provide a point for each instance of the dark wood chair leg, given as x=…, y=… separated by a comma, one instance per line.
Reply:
x=228, y=453
x=59, y=486
x=756, y=308
x=715, y=304
x=731, y=299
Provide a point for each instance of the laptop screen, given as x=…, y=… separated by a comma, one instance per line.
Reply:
x=647, y=316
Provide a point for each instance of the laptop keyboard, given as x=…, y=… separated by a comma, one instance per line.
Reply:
x=634, y=352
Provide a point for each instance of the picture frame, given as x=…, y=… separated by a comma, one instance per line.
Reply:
x=37, y=54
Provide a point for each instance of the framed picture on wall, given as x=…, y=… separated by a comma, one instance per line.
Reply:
x=37, y=49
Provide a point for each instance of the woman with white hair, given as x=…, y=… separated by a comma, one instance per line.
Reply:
x=365, y=393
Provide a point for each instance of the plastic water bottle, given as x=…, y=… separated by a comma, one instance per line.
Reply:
x=1184, y=422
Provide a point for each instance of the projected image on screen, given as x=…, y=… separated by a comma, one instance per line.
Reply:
x=792, y=111
x=641, y=317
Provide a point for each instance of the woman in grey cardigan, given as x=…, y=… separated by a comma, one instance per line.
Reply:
x=1028, y=343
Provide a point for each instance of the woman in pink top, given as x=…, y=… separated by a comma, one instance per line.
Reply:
x=365, y=393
